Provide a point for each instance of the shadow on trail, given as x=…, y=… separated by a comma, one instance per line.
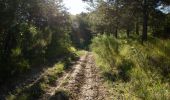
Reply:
x=60, y=95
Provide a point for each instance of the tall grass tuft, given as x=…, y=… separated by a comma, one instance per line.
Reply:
x=106, y=50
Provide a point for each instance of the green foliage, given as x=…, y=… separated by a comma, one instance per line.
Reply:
x=142, y=72
x=80, y=52
x=148, y=86
x=125, y=68
x=31, y=33
x=35, y=90
x=106, y=48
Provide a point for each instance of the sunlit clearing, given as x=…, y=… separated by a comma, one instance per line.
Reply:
x=75, y=6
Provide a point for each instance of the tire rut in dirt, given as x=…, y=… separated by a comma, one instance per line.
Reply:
x=89, y=91
x=71, y=75
x=83, y=83
x=76, y=80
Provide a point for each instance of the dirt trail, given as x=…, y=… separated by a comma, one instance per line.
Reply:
x=83, y=82
x=92, y=84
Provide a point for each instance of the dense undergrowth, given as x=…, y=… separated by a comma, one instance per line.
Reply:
x=36, y=89
x=133, y=70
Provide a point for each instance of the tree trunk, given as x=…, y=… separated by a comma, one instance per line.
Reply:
x=137, y=27
x=145, y=22
x=127, y=32
x=116, y=31
x=7, y=46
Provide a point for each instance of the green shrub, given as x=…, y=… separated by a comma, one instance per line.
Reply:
x=106, y=49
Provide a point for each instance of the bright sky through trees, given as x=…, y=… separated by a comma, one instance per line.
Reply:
x=75, y=6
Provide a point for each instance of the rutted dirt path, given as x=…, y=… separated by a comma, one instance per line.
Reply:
x=83, y=82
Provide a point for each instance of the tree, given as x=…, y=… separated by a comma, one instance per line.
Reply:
x=113, y=15
x=28, y=29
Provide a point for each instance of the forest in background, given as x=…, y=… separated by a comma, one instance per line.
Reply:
x=129, y=39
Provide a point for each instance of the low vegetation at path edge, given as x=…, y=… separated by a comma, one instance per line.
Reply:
x=132, y=70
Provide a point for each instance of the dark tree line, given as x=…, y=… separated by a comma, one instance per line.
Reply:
x=133, y=16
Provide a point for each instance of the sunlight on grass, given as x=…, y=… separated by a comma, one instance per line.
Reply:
x=35, y=90
x=80, y=52
x=136, y=68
